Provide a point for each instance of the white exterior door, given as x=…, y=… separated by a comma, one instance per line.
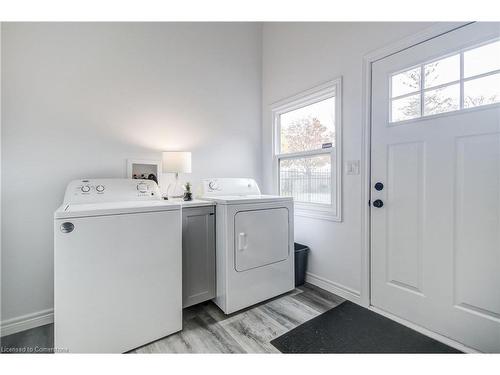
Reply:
x=435, y=241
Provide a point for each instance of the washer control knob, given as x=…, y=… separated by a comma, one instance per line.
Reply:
x=85, y=188
x=142, y=187
x=99, y=188
x=212, y=185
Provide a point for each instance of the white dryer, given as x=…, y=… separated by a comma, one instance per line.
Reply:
x=255, y=259
x=118, y=266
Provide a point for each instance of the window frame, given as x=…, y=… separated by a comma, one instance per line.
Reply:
x=333, y=88
x=421, y=92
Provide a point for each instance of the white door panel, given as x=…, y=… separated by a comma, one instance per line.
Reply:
x=404, y=232
x=477, y=220
x=435, y=254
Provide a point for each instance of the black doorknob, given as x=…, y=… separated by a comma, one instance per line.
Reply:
x=379, y=186
x=378, y=203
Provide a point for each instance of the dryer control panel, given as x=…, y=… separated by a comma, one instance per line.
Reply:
x=213, y=187
x=110, y=190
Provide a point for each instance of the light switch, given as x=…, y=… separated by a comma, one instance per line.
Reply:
x=352, y=167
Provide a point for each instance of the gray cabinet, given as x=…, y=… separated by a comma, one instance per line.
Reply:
x=198, y=255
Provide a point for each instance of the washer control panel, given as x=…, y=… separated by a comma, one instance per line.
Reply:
x=110, y=190
x=142, y=187
x=86, y=187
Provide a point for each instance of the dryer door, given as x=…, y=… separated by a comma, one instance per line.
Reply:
x=260, y=238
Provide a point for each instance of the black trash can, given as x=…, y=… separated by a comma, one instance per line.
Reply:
x=301, y=252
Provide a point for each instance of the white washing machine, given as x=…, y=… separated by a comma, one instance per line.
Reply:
x=118, y=266
x=255, y=255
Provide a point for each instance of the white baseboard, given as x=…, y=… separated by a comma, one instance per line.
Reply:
x=424, y=331
x=333, y=287
x=28, y=321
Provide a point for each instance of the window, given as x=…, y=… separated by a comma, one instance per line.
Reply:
x=466, y=79
x=307, y=150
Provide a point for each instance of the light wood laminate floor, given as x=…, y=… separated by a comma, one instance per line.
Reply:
x=207, y=330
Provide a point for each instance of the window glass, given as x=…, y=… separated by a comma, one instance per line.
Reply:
x=481, y=60
x=307, y=128
x=307, y=151
x=406, y=108
x=482, y=91
x=307, y=179
x=444, y=99
x=442, y=71
x=446, y=87
x=406, y=82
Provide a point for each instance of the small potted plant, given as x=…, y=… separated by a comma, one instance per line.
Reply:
x=188, y=195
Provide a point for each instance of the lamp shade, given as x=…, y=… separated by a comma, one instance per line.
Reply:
x=176, y=162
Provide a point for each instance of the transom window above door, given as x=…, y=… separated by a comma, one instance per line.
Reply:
x=307, y=151
x=466, y=79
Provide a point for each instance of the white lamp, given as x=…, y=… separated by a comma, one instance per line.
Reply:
x=176, y=162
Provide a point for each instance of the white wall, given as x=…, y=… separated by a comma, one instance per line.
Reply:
x=79, y=99
x=296, y=57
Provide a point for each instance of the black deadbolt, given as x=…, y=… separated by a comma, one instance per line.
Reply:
x=379, y=186
x=378, y=203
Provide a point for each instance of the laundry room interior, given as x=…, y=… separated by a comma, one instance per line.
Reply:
x=250, y=187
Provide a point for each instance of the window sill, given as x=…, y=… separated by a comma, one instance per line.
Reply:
x=318, y=214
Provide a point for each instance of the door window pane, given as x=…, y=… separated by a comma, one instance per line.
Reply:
x=406, y=82
x=307, y=179
x=307, y=128
x=482, y=91
x=444, y=99
x=482, y=60
x=406, y=108
x=467, y=79
x=442, y=71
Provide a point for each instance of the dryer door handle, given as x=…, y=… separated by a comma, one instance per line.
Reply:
x=242, y=241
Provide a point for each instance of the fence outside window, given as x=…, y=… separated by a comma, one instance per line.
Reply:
x=308, y=187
